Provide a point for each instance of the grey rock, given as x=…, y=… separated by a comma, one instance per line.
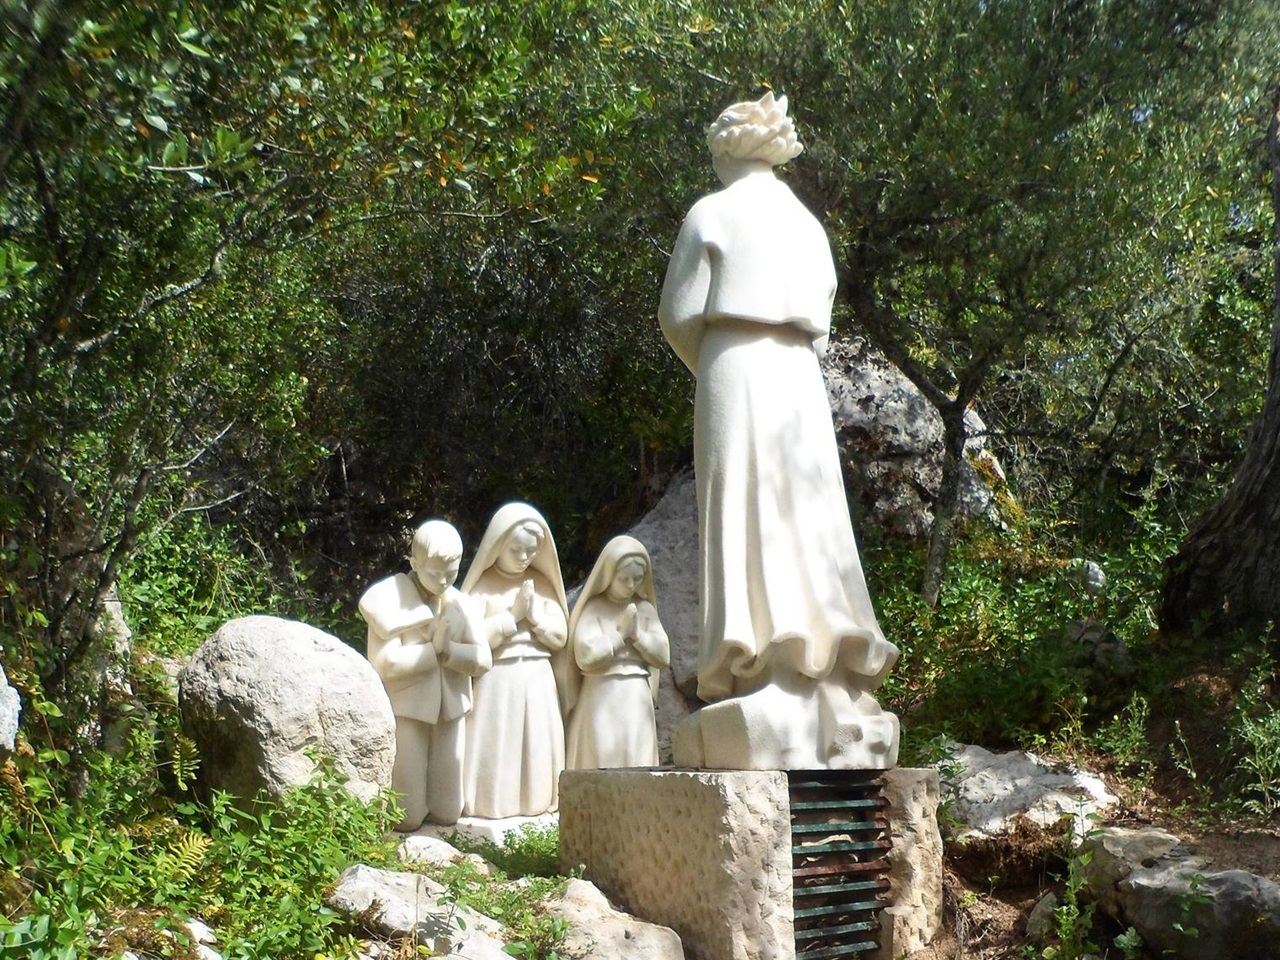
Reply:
x=1110, y=854
x=1235, y=915
x=262, y=693
x=992, y=789
x=891, y=443
x=599, y=932
x=10, y=714
x=1041, y=923
x=398, y=905
x=1091, y=576
x=670, y=532
x=1152, y=881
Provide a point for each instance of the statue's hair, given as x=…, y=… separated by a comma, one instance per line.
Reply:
x=755, y=130
x=436, y=539
x=529, y=526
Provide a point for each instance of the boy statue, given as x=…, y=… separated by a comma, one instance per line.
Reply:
x=423, y=645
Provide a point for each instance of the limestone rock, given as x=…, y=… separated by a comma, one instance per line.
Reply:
x=915, y=861
x=421, y=848
x=1235, y=915
x=398, y=905
x=1150, y=880
x=261, y=692
x=599, y=932
x=1041, y=923
x=891, y=443
x=707, y=853
x=670, y=532
x=993, y=789
x=1111, y=854
x=10, y=714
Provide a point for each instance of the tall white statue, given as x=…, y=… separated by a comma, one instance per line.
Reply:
x=619, y=644
x=789, y=649
x=515, y=739
x=423, y=646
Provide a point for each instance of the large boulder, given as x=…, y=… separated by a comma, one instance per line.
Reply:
x=263, y=695
x=1150, y=880
x=991, y=792
x=891, y=443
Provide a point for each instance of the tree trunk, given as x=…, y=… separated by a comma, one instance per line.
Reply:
x=1226, y=574
x=945, y=507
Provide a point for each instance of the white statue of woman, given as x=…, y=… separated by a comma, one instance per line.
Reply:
x=789, y=640
x=423, y=646
x=515, y=738
x=618, y=643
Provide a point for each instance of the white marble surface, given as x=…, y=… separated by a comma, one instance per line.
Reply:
x=515, y=734
x=746, y=305
x=619, y=644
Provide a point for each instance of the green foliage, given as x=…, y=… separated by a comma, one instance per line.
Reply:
x=1256, y=736
x=529, y=857
x=119, y=859
x=1126, y=740
x=516, y=905
x=1073, y=918
x=272, y=865
x=1008, y=656
x=530, y=851
x=1130, y=944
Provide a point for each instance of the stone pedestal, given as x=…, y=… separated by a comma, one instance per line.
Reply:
x=708, y=853
x=914, y=918
x=705, y=852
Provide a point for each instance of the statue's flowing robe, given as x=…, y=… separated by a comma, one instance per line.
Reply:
x=747, y=306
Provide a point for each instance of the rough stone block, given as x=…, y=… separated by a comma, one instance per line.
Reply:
x=707, y=853
x=915, y=862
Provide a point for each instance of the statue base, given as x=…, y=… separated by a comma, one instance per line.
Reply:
x=713, y=855
x=822, y=727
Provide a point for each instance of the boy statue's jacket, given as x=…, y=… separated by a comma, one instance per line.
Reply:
x=443, y=649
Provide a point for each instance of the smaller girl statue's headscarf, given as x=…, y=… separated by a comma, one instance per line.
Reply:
x=615, y=551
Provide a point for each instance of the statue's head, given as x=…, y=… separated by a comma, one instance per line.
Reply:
x=435, y=556
x=755, y=130
x=519, y=547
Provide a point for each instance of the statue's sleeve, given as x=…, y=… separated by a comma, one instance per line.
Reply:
x=682, y=312
x=651, y=638
x=594, y=641
x=552, y=630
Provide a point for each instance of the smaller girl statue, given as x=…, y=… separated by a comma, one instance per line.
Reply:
x=619, y=644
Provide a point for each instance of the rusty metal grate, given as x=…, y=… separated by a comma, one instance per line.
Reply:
x=839, y=849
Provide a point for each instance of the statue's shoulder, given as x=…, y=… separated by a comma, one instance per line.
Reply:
x=393, y=603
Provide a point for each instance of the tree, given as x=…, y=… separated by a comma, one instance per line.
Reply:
x=1226, y=574
x=165, y=167
x=986, y=173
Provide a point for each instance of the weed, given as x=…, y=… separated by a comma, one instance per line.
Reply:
x=530, y=851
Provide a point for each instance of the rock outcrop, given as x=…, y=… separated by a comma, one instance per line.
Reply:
x=599, y=932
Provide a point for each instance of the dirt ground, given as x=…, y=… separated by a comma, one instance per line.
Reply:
x=987, y=920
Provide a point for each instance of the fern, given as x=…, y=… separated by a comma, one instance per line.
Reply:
x=179, y=863
x=186, y=760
